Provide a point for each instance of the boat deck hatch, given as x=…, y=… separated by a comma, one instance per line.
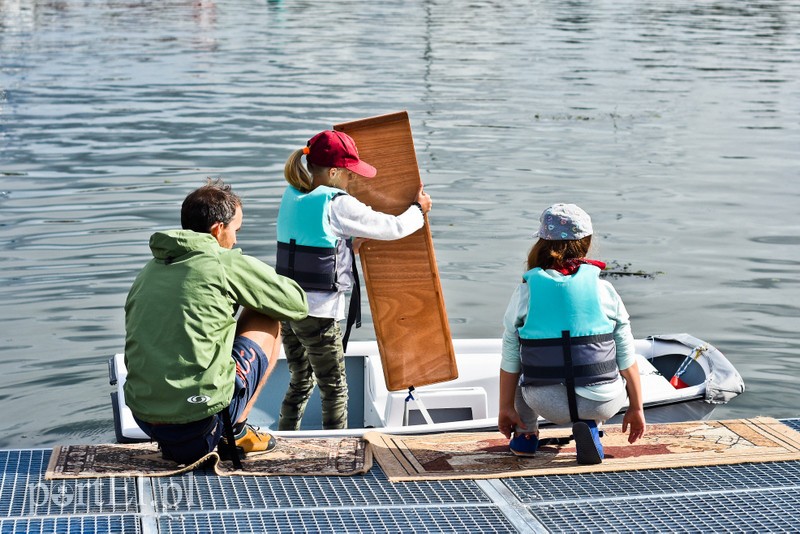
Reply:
x=443, y=405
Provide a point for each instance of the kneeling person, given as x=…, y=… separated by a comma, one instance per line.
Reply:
x=191, y=365
x=567, y=344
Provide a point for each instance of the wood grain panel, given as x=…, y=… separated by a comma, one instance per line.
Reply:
x=401, y=277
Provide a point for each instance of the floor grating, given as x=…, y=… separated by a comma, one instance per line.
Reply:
x=366, y=520
x=24, y=492
x=793, y=423
x=684, y=480
x=211, y=492
x=757, y=497
x=763, y=511
x=47, y=525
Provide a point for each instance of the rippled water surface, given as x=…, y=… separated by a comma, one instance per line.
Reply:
x=675, y=124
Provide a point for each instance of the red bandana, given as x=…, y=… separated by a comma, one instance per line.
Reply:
x=571, y=266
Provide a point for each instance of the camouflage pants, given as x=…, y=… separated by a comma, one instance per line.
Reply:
x=314, y=354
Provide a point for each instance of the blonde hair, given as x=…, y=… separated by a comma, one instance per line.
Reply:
x=296, y=173
x=549, y=254
x=304, y=178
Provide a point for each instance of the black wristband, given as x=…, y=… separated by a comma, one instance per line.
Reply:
x=417, y=204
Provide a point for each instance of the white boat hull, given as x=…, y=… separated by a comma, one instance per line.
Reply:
x=470, y=402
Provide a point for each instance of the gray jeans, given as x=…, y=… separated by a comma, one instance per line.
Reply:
x=551, y=403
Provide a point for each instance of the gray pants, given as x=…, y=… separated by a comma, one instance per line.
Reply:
x=315, y=356
x=551, y=403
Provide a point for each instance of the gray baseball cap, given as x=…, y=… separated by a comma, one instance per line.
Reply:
x=564, y=222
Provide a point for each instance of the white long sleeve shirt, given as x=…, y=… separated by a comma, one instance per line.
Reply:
x=614, y=309
x=349, y=217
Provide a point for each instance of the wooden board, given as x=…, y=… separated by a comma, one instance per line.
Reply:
x=401, y=277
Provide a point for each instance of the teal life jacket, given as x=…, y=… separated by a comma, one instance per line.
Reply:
x=566, y=338
x=307, y=247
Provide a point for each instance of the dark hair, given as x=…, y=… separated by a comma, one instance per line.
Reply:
x=549, y=254
x=214, y=202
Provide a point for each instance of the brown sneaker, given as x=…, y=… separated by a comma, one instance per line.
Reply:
x=250, y=439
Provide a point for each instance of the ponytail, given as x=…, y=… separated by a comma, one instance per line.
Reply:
x=295, y=172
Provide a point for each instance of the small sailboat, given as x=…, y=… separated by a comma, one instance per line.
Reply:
x=683, y=379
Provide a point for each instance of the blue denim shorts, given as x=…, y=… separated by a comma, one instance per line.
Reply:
x=188, y=442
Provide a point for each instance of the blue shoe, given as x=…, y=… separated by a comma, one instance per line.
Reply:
x=523, y=445
x=587, y=442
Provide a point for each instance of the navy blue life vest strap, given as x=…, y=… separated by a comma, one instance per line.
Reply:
x=354, y=312
x=556, y=341
x=292, y=251
x=569, y=375
x=286, y=265
x=577, y=371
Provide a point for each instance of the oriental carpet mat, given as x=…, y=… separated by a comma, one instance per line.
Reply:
x=292, y=456
x=478, y=455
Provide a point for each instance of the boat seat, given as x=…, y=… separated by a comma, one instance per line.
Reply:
x=652, y=381
x=443, y=404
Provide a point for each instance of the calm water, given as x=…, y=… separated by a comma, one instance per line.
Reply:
x=675, y=124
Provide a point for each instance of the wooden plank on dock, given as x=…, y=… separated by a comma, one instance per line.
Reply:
x=401, y=277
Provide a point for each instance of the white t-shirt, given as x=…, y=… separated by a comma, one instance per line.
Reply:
x=349, y=217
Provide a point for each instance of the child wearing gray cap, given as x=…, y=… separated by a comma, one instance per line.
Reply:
x=567, y=344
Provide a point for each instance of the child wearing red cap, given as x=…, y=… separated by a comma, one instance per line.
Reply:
x=567, y=344
x=316, y=223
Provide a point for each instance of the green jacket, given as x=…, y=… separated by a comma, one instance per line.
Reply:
x=180, y=325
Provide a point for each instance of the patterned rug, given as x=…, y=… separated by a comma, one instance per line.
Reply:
x=486, y=455
x=292, y=456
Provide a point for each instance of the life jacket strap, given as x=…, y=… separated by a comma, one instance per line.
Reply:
x=354, y=311
x=569, y=375
x=292, y=253
x=556, y=341
x=300, y=263
x=578, y=371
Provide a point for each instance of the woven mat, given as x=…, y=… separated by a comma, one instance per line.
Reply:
x=485, y=454
x=292, y=456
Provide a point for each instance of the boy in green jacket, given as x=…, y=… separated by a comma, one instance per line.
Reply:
x=191, y=364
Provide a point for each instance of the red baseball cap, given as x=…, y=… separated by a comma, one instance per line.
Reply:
x=337, y=149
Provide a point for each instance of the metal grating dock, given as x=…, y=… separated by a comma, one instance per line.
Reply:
x=758, y=497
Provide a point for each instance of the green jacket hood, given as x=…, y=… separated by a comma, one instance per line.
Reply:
x=177, y=243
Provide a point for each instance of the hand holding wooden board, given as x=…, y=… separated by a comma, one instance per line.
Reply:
x=402, y=279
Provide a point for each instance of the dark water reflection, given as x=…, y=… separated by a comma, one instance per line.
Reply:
x=674, y=124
